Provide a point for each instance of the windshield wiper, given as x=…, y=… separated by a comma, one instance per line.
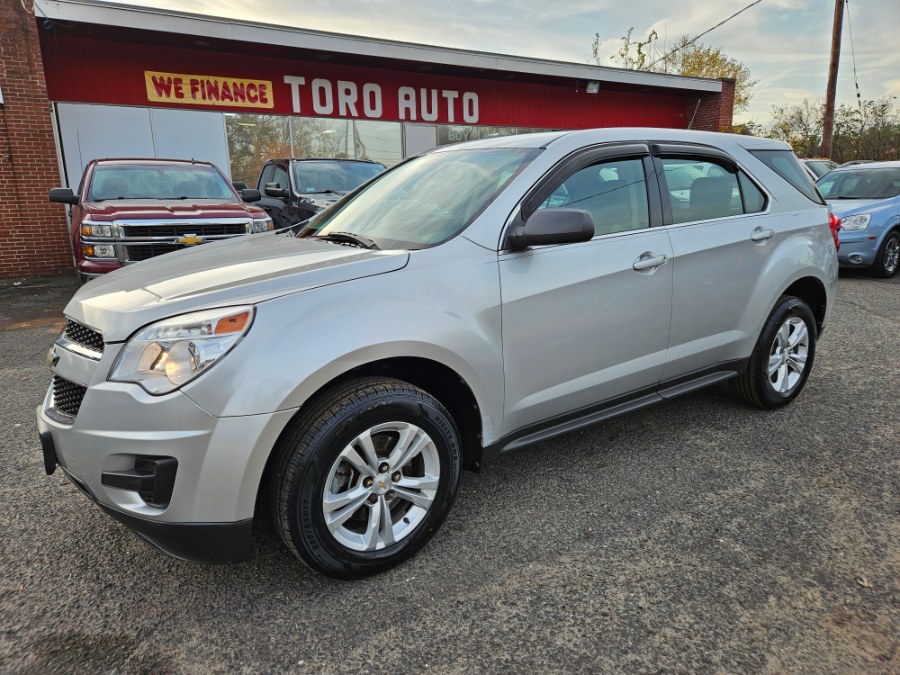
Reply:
x=348, y=238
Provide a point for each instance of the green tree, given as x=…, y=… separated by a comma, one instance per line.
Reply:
x=681, y=57
x=870, y=130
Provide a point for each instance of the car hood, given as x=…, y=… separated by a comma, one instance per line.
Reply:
x=849, y=207
x=238, y=271
x=169, y=209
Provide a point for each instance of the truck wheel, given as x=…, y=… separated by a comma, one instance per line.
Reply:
x=782, y=357
x=888, y=259
x=365, y=477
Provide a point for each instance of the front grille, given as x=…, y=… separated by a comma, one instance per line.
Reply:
x=181, y=230
x=84, y=336
x=135, y=252
x=67, y=396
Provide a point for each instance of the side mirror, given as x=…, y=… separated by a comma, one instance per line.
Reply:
x=249, y=195
x=63, y=196
x=272, y=190
x=239, y=185
x=551, y=226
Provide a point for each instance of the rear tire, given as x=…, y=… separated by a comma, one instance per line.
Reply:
x=365, y=477
x=782, y=357
x=888, y=259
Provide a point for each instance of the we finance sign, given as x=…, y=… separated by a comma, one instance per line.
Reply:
x=390, y=99
x=208, y=90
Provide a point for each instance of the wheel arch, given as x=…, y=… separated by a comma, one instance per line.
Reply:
x=812, y=291
x=439, y=380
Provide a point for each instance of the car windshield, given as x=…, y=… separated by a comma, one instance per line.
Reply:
x=332, y=176
x=425, y=201
x=861, y=183
x=156, y=181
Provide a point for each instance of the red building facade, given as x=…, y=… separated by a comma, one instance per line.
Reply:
x=89, y=84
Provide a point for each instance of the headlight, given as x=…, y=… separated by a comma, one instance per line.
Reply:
x=261, y=225
x=96, y=230
x=855, y=222
x=170, y=353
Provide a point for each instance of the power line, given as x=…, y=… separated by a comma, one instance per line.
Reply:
x=710, y=30
x=853, y=54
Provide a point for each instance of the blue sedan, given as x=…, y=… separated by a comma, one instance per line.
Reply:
x=866, y=198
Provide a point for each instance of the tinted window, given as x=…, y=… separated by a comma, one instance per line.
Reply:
x=862, y=183
x=700, y=190
x=281, y=177
x=266, y=176
x=786, y=165
x=614, y=193
x=754, y=199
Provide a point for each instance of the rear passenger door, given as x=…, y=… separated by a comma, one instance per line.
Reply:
x=588, y=322
x=716, y=218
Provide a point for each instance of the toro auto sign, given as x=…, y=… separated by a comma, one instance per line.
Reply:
x=320, y=97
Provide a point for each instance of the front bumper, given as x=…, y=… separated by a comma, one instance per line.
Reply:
x=220, y=461
x=195, y=542
x=858, y=250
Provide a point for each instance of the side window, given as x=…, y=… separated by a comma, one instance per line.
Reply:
x=265, y=177
x=281, y=177
x=614, y=193
x=700, y=190
x=754, y=199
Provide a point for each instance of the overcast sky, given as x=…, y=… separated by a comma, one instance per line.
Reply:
x=785, y=43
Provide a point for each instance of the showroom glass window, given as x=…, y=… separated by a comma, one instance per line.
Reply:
x=255, y=139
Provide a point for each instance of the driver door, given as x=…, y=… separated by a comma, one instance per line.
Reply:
x=587, y=323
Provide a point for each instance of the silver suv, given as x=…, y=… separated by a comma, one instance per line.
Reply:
x=338, y=376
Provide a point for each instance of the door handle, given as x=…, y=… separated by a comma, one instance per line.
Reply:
x=648, y=261
x=761, y=234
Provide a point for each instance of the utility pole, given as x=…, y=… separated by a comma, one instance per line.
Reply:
x=828, y=123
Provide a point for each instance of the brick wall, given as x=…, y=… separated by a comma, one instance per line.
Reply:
x=33, y=238
x=713, y=112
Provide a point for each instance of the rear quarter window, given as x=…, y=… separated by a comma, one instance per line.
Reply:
x=786, y=165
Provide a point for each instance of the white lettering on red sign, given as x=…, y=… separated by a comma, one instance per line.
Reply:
x=427, y=105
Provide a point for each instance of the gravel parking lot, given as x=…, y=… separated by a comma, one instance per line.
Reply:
x=699, y=535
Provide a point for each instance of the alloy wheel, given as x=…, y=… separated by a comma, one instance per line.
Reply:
x=787, y=359
x=381, y=486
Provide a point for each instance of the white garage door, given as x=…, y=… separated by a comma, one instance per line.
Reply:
x=90, y=131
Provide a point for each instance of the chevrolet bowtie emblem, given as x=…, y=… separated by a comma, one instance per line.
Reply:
x=190, y=240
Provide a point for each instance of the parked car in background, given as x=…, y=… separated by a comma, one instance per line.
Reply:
x=854, y=162
x=470, y=301
x=819, y=167
x=294, y=190
x=866, y=198
x=128, y=210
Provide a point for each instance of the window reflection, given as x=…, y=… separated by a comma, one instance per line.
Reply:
x=254, y=139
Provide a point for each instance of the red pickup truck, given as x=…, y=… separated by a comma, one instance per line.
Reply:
x=128, y=210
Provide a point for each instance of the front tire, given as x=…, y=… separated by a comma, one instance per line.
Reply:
x=365, y=477
x=782, y=357
x=888, y=259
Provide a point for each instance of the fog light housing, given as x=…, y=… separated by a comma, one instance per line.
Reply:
x=153, y=478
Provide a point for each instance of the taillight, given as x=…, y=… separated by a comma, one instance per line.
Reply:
x=835, y=224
